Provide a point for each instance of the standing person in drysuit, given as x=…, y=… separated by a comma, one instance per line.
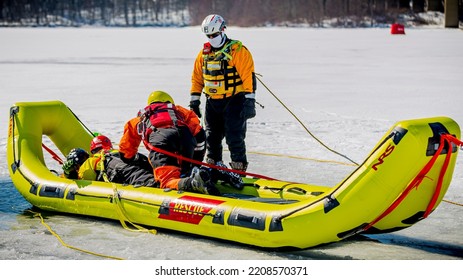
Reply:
x=224, y=72
x=166, y=127
x=106, y=160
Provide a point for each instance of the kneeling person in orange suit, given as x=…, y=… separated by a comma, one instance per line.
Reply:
x=166, y=127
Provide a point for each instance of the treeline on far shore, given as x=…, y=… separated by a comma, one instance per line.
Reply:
x=136, y=13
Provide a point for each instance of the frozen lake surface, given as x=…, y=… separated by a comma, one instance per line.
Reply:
x=348, y=86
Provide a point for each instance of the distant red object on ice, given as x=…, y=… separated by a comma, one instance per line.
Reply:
x=397, y=28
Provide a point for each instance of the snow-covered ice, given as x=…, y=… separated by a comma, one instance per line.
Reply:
x=348, y=86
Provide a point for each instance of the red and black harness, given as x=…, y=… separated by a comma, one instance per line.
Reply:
x=158, y=115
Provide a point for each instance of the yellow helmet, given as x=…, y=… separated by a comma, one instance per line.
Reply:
x=159, y=96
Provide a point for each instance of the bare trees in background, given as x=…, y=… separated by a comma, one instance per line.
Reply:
x=192, y=12
x=94, y=12
x=262, y=12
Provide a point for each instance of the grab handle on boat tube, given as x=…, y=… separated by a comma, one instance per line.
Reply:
x=248, y=219
x=297, y=190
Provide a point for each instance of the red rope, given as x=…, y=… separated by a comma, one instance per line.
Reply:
x=53, y=154
x=419, y=178
x=450, y=139
x=180, y=157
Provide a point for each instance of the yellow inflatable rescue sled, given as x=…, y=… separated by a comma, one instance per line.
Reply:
x=402, y=181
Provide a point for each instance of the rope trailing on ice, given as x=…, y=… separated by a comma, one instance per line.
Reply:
x=42, y=221
x=451, y=202
x=300, y=122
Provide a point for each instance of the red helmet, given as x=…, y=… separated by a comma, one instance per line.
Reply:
x=100, y=142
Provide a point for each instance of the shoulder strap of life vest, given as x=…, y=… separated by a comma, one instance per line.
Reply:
x=226, y=50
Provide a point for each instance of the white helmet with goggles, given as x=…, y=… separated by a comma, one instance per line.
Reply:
x=213, y=24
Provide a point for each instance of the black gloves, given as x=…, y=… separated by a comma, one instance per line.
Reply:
x=228, y=177
x=249, y=108
x=194, y=105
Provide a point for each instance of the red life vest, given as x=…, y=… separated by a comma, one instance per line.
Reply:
x=158, y=115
